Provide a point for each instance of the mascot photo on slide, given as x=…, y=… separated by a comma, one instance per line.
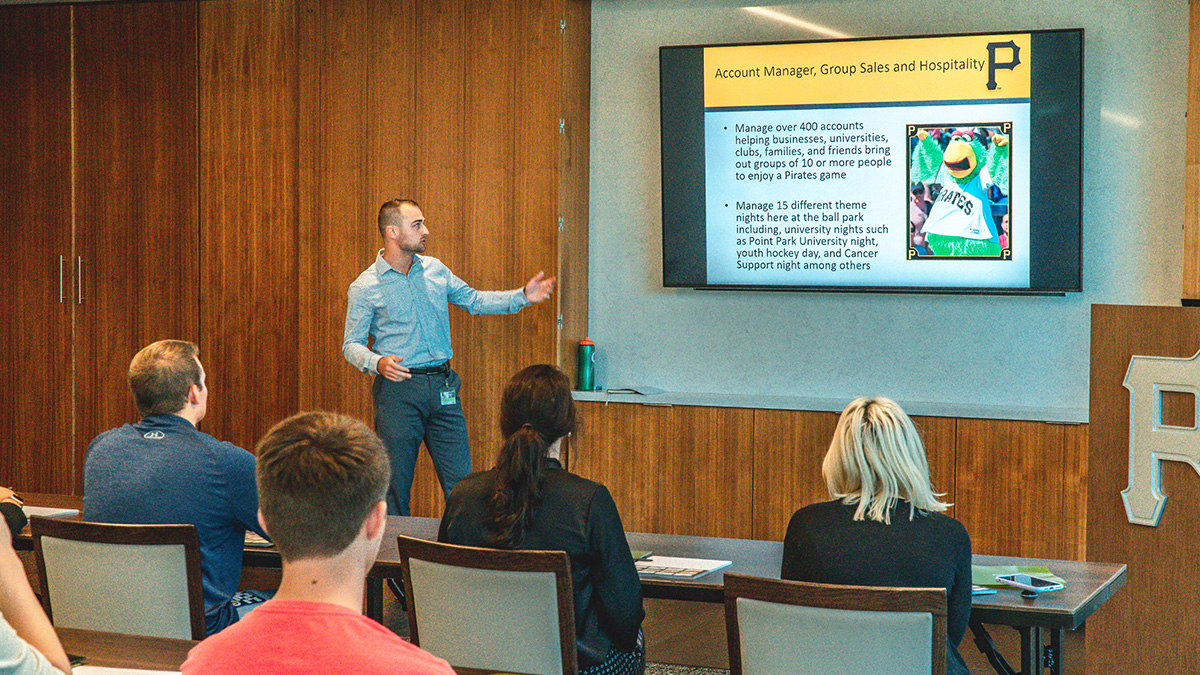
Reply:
x=959, y=192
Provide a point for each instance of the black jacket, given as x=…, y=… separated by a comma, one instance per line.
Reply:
x=578, y=516
x=824, y=544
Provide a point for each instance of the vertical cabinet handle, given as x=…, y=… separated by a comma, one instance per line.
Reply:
x=61, y=260
x=79, y=278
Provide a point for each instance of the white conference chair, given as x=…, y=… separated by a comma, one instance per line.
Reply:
x=491, y=609
x=133, y=579
x=797, y=628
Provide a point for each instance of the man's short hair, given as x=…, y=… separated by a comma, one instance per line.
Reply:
x=161, y=374
x=390, y=211
x=319, y=475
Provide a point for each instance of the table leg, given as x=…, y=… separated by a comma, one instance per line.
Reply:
x=1037, y=658
x=1031, y=650
x=983, y=640
x=1054, y=652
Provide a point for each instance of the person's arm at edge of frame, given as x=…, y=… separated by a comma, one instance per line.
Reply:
x=22, y=610
x=11, y=505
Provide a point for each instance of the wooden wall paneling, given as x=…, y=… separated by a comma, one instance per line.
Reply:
x=356, y=147
x=534, y=53
x=1010, y=487
x=573, y=158
x=137, y=217
x=675, y=470
x=1161, y=595
x=488, y=235
x=788, y=448
x=1191, y=209
x=35, y=223
x=1073, y=518
x=940, y=436
x=249, y=322
x=440, y=155
x=486, y=173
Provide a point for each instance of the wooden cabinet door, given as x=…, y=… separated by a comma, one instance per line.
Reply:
x=35, y=231
x=137, y=210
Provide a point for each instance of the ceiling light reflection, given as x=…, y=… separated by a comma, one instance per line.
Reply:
x=793, y=21
x=1118, y=118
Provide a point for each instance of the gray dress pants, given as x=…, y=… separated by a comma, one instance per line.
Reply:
x=424, y=408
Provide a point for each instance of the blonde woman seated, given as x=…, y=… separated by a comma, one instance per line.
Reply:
x=885, y=526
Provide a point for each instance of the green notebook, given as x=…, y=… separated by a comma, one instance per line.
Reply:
x=985, y=575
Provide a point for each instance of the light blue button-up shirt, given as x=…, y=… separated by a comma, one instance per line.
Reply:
x=408, y=315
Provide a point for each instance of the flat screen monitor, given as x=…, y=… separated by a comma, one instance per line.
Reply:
x=947, y=163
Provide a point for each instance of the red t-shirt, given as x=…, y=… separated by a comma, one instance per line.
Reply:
x=294, y=637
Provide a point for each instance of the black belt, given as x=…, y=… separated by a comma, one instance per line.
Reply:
x=440, y=369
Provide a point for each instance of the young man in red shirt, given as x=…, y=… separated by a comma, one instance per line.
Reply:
x=321, y=484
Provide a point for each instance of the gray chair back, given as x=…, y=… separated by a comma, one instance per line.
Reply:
x=796, y=628
x=490, y=609
x=133, y=579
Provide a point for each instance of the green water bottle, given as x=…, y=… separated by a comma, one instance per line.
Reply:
x=587, y=365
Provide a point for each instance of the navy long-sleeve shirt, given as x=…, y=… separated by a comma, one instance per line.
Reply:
x=162, y=470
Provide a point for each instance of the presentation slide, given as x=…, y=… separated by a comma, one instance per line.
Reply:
x=881, y=163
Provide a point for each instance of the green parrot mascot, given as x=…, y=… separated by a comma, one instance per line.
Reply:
x=960, y=223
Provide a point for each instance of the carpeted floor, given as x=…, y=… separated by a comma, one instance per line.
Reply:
x=671, y=669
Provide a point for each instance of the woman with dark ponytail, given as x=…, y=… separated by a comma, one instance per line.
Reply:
x=529, y=501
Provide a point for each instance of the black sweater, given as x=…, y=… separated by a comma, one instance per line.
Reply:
x=578, y=516
x=824, y=544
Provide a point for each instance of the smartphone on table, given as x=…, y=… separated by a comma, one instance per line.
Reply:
x=1029, y=582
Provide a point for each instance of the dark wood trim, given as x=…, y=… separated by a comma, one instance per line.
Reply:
x=472, y=557
x=135, y=535
x=829, y=596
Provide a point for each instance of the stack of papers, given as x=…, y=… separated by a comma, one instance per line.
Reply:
x=663, y=567
x=49, y=512
x=255, y=539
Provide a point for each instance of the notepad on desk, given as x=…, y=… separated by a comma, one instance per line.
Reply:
x=256, y=540
x=49, y=512
x=664, y=567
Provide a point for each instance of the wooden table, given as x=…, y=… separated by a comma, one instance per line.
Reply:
x=1041, y=622
x=116, y=650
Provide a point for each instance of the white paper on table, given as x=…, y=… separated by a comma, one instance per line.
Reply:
x=103, y=670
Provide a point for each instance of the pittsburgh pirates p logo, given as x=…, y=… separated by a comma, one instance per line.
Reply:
x=1151, y=441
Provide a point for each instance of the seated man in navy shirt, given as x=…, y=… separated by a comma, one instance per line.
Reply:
x=163, y=470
